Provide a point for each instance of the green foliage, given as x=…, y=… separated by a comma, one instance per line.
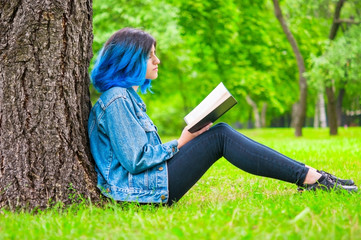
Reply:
x=340, y=65
x=238, y=45
x=225, y=204
x=201, y=43
x=155, y=16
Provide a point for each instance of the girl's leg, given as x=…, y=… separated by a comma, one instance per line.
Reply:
x=198, y=155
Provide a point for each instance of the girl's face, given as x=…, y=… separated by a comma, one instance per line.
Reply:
x=152, y=65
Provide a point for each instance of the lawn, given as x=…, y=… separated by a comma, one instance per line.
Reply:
x=226, y=204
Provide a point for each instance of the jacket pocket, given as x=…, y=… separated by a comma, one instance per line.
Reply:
x=139, y=181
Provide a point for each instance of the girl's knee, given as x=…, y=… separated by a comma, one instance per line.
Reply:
x=222, y=127
x=226, y=129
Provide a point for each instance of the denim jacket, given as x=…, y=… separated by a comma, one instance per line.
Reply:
x=130, y=158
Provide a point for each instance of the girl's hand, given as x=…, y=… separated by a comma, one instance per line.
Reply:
x=186, y=136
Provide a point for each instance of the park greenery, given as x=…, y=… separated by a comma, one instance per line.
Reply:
x=225, y=204
x=203, y=42
x=200, y=43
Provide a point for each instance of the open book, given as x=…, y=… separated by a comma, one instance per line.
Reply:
x=210, y=109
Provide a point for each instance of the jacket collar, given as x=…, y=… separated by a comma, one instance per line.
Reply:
x=137, y=98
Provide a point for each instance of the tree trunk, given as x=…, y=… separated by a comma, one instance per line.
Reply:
x=332, y=119
x=335, y=23
x=341, y=94
x=263, y=115
x=320, y=113
x=316, y=119
x=323, y=118
x=331, y=110
x=256, y=114
x=45, y=50
x=302, y=103
x=294, y=114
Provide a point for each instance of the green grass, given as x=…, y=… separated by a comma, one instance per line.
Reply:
x=226, y=204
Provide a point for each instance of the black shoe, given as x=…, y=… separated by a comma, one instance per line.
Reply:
x=345, y=182
x=326, y=183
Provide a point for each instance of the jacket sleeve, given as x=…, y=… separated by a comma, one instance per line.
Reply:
x=129, y=140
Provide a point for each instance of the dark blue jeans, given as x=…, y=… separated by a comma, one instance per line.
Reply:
x=198, y=155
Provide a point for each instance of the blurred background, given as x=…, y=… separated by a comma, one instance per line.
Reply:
x=241, y=43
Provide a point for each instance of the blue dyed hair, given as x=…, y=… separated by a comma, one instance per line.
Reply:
x=122, y=62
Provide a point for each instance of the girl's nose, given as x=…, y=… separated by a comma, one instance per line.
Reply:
x=156, y=60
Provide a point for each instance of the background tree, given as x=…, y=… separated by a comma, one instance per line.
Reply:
x=332, y=101
x=310, y=22
x=45, y=50
x=336, y=70
x=299, y=112
x=331, y=104
x=339, y=69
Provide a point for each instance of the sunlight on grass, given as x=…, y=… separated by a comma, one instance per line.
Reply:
x=225, y=204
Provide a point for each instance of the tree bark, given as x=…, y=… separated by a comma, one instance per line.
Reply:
x=299, y=121
x=320, y=112
x=336, y=17
x=263, y=115
x=316, y=119
x=331, y=110
x=295, y=111
x=350, y=21
x=45, y=50
x=340, y=97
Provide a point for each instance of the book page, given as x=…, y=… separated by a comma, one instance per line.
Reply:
x=216, y=97
x=203, y=114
